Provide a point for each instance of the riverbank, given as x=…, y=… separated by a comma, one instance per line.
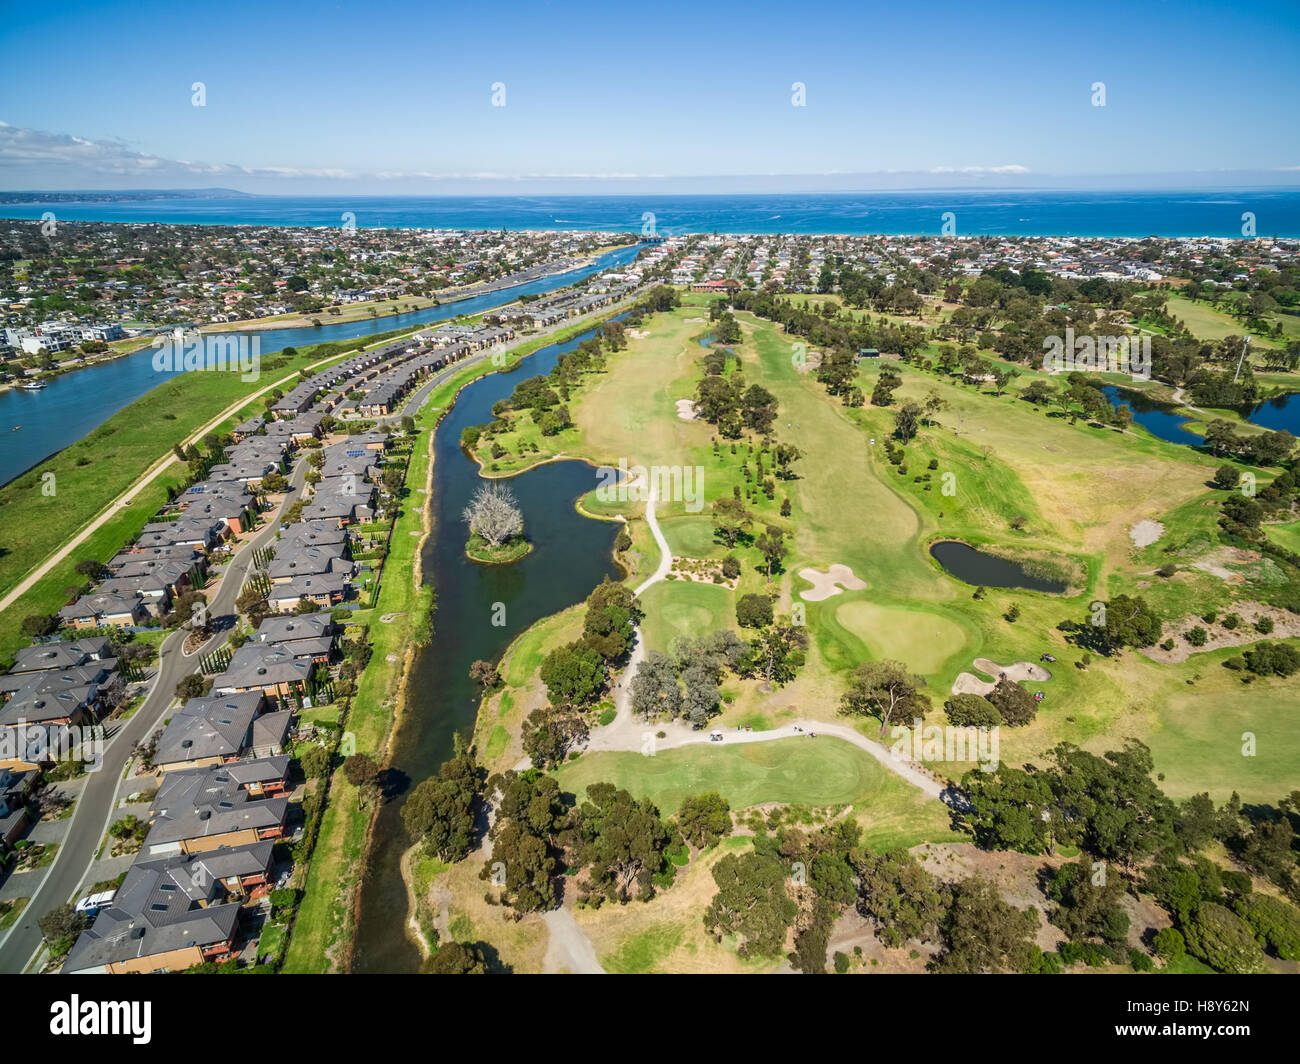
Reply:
x=323, y=932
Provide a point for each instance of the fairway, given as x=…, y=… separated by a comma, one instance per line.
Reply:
x=821, y=771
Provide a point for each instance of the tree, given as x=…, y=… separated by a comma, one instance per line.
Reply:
x=609, y=625
x=983, y=934
x=885, y=689
x=440, y=811
x=655, y=691
x=36, y=625
x=1014, y=704
x=551, y=732
x=574, y=674
x=361, y=771
x=1272, y=659
x=485, y=674
x=315, y=761
x=528, y=866
x=455, y=958
x=92, y=570
x=972, y=711
x=1275, y=923
x=622, y=840
x=751, y=904
x=704, y=819
x=195, y=685
x=494, y=514
x=906, y=421
x=771, y=544
x=1130, y=622
x=61, y=926
x=730, y=519
x=1086, y=909
x=754, y=611
x=905, y=901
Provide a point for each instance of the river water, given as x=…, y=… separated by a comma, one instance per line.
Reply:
x=571, y=555
x=35, y=425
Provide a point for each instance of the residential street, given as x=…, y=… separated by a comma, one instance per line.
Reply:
x=94, y=809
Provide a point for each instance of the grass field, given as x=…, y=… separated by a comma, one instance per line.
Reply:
x=816, y=772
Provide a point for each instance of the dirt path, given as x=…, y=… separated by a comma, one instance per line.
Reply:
x=569, y=949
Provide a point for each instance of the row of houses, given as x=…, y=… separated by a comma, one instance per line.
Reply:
x=222, y=803
x=51, y=689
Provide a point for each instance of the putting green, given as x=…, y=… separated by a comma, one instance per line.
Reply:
x=923, y=641
x=691, y=537
x=676, y=608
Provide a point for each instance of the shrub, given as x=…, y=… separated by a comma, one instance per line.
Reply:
x=1223, y=941
x=1198, y=636
x=1264, y=626
x=968, y=710
x=1140, y=961
x=1275, y=923
x=1169, y=944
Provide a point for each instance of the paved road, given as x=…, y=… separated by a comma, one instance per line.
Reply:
x=98, y=800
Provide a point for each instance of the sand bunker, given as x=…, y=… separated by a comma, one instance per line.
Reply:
x=824, y=584
x=686, y=410
x=693, y=321
x=638, y=334
x=1144, y=533
x=967, y=683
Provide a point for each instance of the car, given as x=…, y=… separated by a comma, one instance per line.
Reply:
x=92, y=903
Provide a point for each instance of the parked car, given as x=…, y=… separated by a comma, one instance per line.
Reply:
x=92, y=903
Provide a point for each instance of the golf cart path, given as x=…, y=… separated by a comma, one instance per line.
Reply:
x=569, y=949
x=626, y=732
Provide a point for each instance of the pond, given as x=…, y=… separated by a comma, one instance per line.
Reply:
x=571, y=555
x=976, y=567
x=1158, y=419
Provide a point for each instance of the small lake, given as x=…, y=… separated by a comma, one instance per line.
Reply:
x=571, y=555
x=1281, y=412
x=975, y=567
x=1159, y=419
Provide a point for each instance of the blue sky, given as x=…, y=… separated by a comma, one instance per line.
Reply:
x=396, y=97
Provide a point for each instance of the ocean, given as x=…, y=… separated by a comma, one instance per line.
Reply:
x=1006, y=212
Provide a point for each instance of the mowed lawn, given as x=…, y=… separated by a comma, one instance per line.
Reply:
x=676, y=608
x=811, y=772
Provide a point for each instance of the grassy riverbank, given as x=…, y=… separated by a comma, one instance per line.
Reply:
x=326, y=919
x=47, y=506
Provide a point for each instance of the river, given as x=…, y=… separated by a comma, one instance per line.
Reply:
x=35, y=425
x=571, y=555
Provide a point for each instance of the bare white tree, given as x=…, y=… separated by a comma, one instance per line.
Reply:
x=493, y=513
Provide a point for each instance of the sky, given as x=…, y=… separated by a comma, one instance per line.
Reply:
x=397, y=98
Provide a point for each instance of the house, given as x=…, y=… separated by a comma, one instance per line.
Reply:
x=61, y=655
x=292, y=562
x=325, y=590
x=264, y=668
x=104, y=608
x=173, y=912
x=203, y=809
x=210, y=730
